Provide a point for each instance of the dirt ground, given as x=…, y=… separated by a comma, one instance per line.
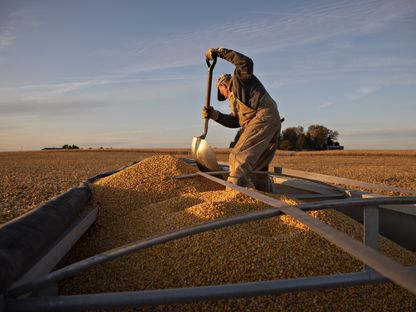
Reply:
x=29, y=178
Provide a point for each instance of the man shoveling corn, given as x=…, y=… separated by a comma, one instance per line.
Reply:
x=252, y=109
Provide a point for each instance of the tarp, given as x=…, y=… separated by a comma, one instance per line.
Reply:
x=24, y=239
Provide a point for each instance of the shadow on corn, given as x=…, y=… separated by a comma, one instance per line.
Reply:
x=262, y=250
x=257, y=250
x=138, y=203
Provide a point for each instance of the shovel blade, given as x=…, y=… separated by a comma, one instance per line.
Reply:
x=204, y=155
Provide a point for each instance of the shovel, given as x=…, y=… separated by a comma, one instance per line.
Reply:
x=202, y=152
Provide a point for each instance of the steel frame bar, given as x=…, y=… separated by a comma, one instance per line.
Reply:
x=192, y=294
x=338, y=180
x=195, y=174
x=379, y=262
x=65, y=243
x=184, y=295
x=318, y=177
x=316, y=196
x=371, y=225
x=406, y=209
x=136, y=246
x=207, y=226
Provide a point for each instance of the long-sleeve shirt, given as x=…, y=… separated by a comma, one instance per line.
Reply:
x=244, y=84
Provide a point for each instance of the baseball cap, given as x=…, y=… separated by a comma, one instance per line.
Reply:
x=221, y=79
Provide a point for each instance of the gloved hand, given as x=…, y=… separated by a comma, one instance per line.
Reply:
x=211, y=54
x=209, y=112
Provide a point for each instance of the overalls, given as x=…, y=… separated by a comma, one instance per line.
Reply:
x=257, y=144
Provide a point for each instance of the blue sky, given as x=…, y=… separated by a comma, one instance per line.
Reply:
x=132, y=73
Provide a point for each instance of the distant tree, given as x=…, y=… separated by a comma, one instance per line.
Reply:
x=284, y=145
x=333, y=135
x=67, y=146
x=301, y=143
x=321, y=136
x=290, y=138
x=317, y=137
x=308, y=141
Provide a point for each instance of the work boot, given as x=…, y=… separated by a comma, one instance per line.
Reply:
x=264, y=184
x=241, y=181
x=262, y=180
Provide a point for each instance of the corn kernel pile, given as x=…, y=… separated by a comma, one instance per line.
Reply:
x=145, y=200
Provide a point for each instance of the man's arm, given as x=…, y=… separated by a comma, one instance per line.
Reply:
x=243, y=64
x=229, y=121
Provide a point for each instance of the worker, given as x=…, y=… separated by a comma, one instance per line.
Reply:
x=252, y=109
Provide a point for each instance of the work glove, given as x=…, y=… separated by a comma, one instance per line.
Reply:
x=209, y=112
x=211, y=54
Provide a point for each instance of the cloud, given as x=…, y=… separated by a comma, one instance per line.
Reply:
x=309, y=24
x=325, y=105
x=75, y=97
x=406, y=132
x=51, y=89
x=71, y=86
x=7, y=127
x=6, y=39
x=271, y=32
x=154, y=59
x=383, y=62
x=8, y=130
x=367, y=90
x=362, y=91
x=386, y=71
x=379, y=138
x=103, y=144
x=385, y=81
x=43, y=105
x=78, y=98
x=8, y=32
x=265, y=32
x=318, y=22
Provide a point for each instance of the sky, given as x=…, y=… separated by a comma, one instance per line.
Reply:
x=132, y=74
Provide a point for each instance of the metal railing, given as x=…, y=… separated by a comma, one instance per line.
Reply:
x=377, y=267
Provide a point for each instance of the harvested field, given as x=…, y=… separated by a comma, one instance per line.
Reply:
x=29, y=178
x=389, y=168
x=144, y=201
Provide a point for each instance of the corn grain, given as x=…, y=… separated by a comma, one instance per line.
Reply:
x=144, y=200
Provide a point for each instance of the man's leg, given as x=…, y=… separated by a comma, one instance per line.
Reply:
x=252, y=147
x=262, y=181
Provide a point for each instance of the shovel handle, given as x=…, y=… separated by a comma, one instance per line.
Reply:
x=211, y=66
x=203, y=135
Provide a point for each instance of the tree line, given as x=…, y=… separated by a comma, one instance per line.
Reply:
x=316, y=138
x=67, y=146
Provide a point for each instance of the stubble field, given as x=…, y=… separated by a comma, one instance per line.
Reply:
x=29, y=178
